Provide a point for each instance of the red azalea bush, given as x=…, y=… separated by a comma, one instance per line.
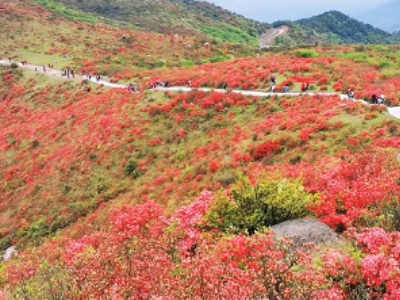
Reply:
x=266, y=148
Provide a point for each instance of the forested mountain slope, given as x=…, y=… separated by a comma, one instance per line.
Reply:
x=183, y=17
x=340, y=28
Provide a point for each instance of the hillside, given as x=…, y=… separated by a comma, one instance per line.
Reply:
x=171, y=193
x=108, y=182
x=385, y=16
x=111, y=49
x=190, y=18
x=183, y=17
x=342, y=29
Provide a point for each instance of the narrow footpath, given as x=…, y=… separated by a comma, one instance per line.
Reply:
x=393, y=111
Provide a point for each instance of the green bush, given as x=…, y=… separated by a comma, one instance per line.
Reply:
x=218, y=59
x=38, y=230
x=306, y=53
x=386, y=64
x=187, y=63
x=254, y=208
x=131, y=169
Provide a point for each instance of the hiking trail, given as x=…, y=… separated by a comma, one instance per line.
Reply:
x=393, y=111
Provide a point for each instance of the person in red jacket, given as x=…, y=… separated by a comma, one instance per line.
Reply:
x=304, y=87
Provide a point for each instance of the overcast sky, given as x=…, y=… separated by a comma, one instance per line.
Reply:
x=273, y=10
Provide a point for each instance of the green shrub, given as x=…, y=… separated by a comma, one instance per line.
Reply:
x=306, y=53
x=38, y=230
x=181, y=155
x=218, y=59
x=385, y=64
x=187, y=63
x=14, y=66
x=131, y=169
x=253, y=208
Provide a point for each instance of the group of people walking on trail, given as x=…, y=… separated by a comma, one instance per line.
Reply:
x=68, y=72
x=159, y=83
x=89, y=76
x=272, y=79
x=374, y=98
x=378, y=100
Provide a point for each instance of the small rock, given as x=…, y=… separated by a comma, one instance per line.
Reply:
x=10, y=253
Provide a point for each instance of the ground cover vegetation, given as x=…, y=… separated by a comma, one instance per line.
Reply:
x=109, y=194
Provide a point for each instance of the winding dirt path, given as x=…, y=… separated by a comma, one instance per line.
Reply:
x=393, y=111
x=267, y=39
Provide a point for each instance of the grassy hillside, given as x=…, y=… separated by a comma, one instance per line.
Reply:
x=109, y=194
x=157, y=133
x=200, y=19
x=113, y=178
x=171, y=17
x=110, y=49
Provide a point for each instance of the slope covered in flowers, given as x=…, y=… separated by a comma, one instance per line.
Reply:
x=113, y=170
x=336, y=70
x=109, y=194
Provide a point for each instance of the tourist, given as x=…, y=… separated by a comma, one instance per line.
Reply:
x=374, y=99
x=350, y=94
x=381, y=100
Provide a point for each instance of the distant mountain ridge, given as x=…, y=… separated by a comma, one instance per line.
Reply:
x=334, y=27
x=385, y=16
x=344, y=29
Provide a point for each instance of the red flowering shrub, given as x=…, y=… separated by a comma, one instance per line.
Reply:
x=214, y=166
x=266, y=148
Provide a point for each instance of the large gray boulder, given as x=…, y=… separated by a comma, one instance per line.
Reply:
x=305, y=231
